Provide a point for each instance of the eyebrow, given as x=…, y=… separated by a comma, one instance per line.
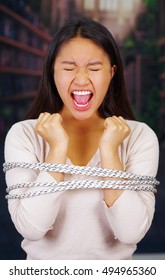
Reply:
x=89, y=64
x=95, y=63
x=68, y=62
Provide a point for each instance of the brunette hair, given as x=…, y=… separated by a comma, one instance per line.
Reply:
x=115, y=102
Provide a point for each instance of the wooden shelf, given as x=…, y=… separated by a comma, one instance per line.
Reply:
x=26, y=23
x=19, y=45
x=20, y=71
x=19, y=97
x=21, y=59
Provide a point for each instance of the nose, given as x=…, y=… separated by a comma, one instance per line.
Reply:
x=81, y=77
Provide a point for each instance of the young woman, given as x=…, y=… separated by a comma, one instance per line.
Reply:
x=81, y=116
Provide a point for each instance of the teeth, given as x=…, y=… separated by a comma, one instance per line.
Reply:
x=83, y=92
x=80, y=105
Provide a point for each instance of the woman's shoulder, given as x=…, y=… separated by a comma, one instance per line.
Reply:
x=21, y=131
x=141, y=149
x=140, y=128
x=30, y=123
x=142, y=134
x=22, y=127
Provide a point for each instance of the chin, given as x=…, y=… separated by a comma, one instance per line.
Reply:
x=83, y=116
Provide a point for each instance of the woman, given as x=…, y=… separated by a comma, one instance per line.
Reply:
x=81, y=116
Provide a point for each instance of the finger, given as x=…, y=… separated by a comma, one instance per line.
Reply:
x=126, y=127
x=121, y=121
x=111, y=123
x=107, y=122
x=42, y=117
x=57, y=117
x=117, y=121
x=124, y=122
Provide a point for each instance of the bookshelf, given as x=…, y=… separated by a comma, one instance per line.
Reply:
x=22, y=50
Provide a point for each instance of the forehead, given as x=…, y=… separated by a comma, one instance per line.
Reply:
x=79, y=47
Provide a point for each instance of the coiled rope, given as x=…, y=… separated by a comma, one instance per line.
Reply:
x=132, y=182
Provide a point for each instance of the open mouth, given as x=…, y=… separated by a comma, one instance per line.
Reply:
x=82, y=99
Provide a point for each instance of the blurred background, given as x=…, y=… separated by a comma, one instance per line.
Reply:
x=26, y=29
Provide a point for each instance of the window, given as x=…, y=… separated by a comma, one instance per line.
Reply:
x=108, y=5
x=89, y=4
x=128, y=5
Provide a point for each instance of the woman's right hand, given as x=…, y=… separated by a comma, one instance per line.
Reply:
x=49, y=127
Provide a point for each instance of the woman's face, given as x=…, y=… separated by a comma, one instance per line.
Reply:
x=82, y=74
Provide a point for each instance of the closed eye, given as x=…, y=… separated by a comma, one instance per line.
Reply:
x=95, y=70
x=69, y=69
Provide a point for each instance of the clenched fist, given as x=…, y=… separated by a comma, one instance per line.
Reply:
x=116, y=130
x=50, y=128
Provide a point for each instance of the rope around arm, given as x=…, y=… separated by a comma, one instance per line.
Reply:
x=133, y=182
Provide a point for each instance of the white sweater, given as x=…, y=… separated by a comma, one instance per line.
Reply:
x=77, y=224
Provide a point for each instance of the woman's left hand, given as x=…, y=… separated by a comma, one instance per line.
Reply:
x=116, y=130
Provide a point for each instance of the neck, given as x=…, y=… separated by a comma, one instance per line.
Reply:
x=92, y=124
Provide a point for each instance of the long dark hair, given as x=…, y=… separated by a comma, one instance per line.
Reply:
x=115, y=102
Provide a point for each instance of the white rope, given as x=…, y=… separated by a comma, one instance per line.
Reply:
x=79, y=170
x=137, y=182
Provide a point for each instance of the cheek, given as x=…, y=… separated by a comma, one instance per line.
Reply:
x=60, y=82
x=104, y=82
x=56, y=79
x=63, y=79
x=103, y=87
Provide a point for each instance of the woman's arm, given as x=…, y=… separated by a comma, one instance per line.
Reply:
x=131, y=212
x=116, y=130
x=33, y=216
x=49, y=127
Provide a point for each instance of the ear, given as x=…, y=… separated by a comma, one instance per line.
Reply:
x=113, y=69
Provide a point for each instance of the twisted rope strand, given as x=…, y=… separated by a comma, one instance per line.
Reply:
x=79, y=170
x=55, y=189
x=81, y=184
x=137, y=182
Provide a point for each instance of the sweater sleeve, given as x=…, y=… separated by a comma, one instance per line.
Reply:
x=33, y=216
x=131, y=215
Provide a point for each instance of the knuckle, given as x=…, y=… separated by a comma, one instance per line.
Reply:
x=57, y=117
x=38, y=128
x=45, y=125
x=109, y=120
x=128, y=128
